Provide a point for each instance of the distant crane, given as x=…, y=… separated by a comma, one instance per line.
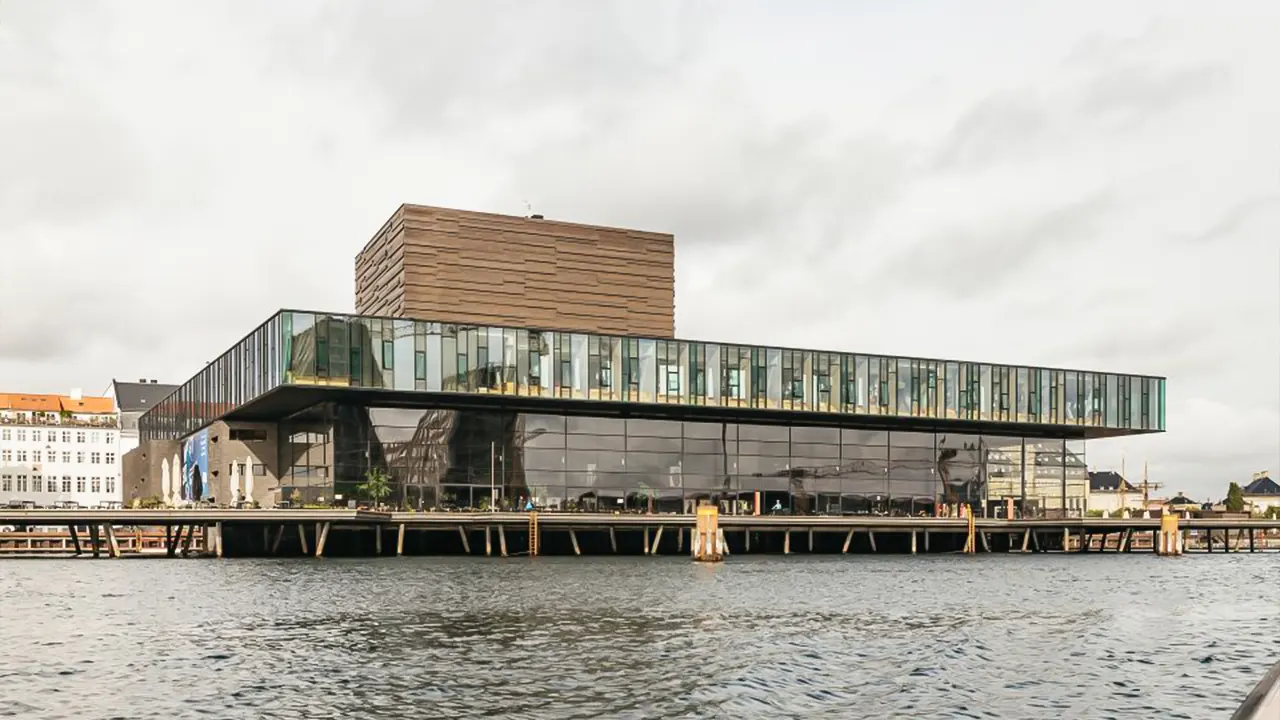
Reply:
x=1147, y=486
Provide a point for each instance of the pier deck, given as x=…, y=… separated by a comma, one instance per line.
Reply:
x=364, y=532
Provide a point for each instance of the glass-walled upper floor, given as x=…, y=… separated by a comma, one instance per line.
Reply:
x=474, y=458
x=302, y=348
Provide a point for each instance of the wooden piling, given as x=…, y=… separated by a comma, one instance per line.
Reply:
x=377, y=540
x=190, y=538
x=466, y=544
x=657, y=540
x=93, y=538
x=871, y=537
x=613, y=540
x=573, y=538
x=75, y=539
x=302, y=537
x=113, y=545
x=1026, y=539
x=646, y=540
x=848, y=538
x=810, y=539
x=913, y=542
x=786, y=542
x=488, y=541
x=217, y=537
x=322, y=539
x=275, y=544
x=400, y=541
x=502, y=541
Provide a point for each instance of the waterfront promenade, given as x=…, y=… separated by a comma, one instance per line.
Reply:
x=320, y=532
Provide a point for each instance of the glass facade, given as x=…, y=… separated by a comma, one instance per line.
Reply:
x=474, y=458
x=302, y=348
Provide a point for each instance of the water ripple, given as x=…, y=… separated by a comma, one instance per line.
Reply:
x=927, y=637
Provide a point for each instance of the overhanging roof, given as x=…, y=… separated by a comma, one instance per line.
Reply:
x=284, y=401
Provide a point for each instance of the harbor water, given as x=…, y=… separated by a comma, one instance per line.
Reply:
x=987, y=636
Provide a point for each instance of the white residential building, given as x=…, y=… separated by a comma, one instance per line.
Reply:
x=59, y=449
x=1262, y=494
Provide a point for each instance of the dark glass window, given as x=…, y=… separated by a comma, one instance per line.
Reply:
x=388, y=355
x=606, y=372
x=420, y=365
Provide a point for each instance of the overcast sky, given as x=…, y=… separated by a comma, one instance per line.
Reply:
x=1079, y=184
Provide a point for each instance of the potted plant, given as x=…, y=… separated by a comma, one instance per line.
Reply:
x=377, y=486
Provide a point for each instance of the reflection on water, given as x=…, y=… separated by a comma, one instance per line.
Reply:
x=757, y=637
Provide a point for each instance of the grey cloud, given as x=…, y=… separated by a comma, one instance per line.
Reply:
x=37, y=329
x=967, y=262
x=1106, y=49
x=433, y=66
x=1021, y=123
x=711, y=176
x=1126, y=84
x=1233, y=220
x=1186, y=343
x=78, y=157
x=1135, y=93
x=1002, y=125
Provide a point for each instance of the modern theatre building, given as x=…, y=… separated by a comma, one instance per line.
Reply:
x=479, y=403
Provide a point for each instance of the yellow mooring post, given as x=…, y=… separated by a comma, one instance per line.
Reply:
x=1170, y=537
x=707, y=544
x=970, y=545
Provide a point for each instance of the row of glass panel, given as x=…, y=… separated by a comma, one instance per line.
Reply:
x=246, y=371
x=414, y=355
x=350, y=351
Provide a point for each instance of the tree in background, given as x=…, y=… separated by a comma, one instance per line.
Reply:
x=1235, y=498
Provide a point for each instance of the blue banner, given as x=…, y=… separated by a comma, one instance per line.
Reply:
x=195, y=467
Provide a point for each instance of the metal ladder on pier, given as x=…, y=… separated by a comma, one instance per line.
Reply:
x=533, y=533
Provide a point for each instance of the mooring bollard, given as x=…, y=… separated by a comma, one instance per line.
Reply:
x=1170, y=537
x=708, y=543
